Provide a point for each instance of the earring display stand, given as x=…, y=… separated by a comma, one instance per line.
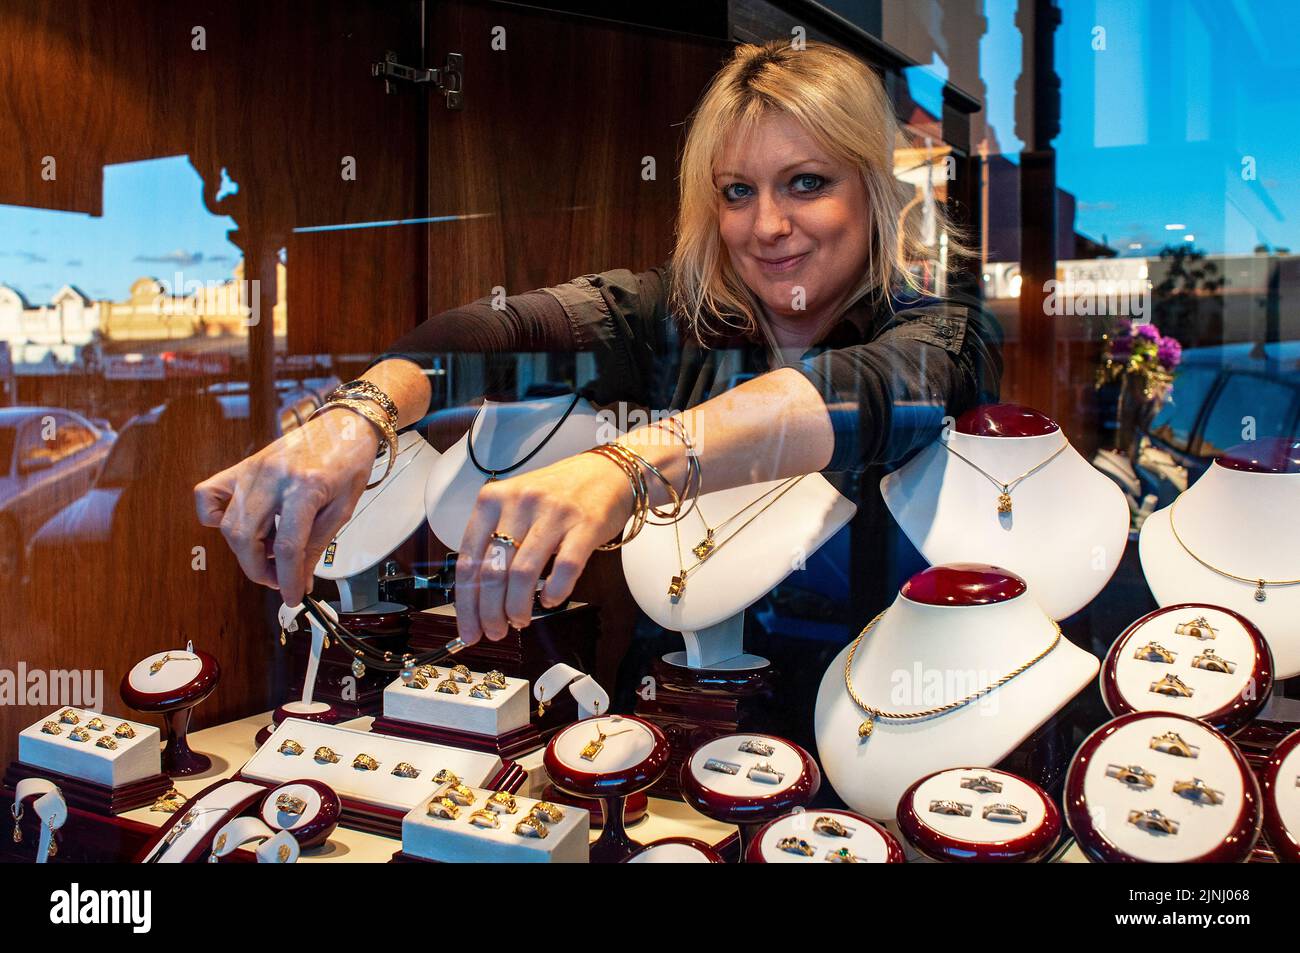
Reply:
x=1281, y=790
x=961, y=815
x=797, y=839
x=187, y=836
x=624, y=764
x=306, y=707
x=1226, y=700
x=171, y=684
x=747, y=780
x=1123, y=800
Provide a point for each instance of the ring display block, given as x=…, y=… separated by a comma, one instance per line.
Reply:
x=1281, y=789
x=373, y=800
x=806, y=837
x=1153, y=787
x=500, y=723
x=1193, y=659
x=979, y=815
x=461, y=840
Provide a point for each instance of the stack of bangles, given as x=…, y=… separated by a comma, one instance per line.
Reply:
x=364, y=398
x=636, y=467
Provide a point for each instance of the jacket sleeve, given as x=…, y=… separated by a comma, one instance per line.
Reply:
x=888, y=398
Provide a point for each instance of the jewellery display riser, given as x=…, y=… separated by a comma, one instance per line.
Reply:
x=86, y=837
x=89, y=796
x=512, y=744
x=388, y=632
x=693, y=707
x=568, y=635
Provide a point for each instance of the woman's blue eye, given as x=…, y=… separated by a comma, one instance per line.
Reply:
x=731, y=196
x=807, y=182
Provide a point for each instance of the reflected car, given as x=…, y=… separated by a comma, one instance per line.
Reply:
x=48, y=458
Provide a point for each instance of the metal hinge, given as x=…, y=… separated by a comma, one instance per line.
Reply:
x=449, y=80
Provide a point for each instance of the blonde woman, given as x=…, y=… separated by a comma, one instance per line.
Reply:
x=789, y=272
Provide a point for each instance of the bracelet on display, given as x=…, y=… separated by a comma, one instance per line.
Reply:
x=366, y=390
x=380, y=422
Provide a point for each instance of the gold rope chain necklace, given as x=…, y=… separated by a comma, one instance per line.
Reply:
x=1259, y=584
x=1004, y=495
x=873, y=713
x=678, y=584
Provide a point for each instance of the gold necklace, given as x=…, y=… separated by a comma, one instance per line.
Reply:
x=873, y=713
x=678, y=584
x=1004, y=495
x=596, y=745
x=1260, y=584
x=706, y=545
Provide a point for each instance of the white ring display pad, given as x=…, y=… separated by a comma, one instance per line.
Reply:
x=567, y=841
x=784, y=759
x=1202, y=827
x=281, y=821
x=385, y=515
x=211, y=810
x=503, y=433
x=1244, y=523
x=381, y=787
x=866, y=842
x=132, y=760
x=946, y=786
x=620, y=752
x=1211, y=691
x=922, y=656
x=740, y=573
x=1066, y=532
x=182, y=668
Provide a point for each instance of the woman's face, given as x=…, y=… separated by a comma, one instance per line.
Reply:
x=794, y=219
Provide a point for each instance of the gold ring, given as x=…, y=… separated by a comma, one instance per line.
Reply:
x=446, y=777
x=106, y=741
x=405, y=769
x=69, y=717
x=290, y=804
x=124, y=730
x=765, y=773
x=480, y=691
x=448, y=687
x=326, y=754
x=428, y=671
x=462, y=794
x=1198, y=790
x=795, y=845
x=52, y=728
x=1172, y=685
x=548, y=812
x=841, y=855
x=96, y=724
x=1198, y=628
x=1154, y=652
x=502, y=802
x=484, y=818
x=495, y=680
x=1133, y=775
x=445, y=808
x=1213, y=663
x=79, y=734
x=831, y=826
x=363, y=762
x=955, y=808
x=291, y=747
x=418, y=682
x=1154, y=821
x=461, y=673
x=531, y=827
x=1171, y=742
x=505, y=539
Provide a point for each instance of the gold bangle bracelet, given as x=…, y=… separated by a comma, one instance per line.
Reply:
x=379, y=421
x=640, y=494
x=362, y=389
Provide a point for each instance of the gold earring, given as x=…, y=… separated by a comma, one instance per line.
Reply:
x=541, y=703
x=16, y=809
x=54, y=846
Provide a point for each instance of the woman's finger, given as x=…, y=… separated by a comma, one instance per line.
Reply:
x=246, y=526
x=526, y=568
x=494, y=572
x=570, y=559
x=329, y=523
x=303, y=502
x=213, y=495
x=482, y=523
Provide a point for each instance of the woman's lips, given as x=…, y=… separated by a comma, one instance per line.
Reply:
x=776, y=266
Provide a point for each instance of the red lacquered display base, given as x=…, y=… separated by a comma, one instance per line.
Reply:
x=708, y=854
x=314, y=830
x=89, y=796
x=612, y=789
x=1231, y=717
x=512, y=744
x=1026, y=847
x=86, y=837
x=1005, y=420
x=750, y=813
x=1284, y=840
x=635, y=806
x=963, y=584
x=331, y=716
x=893, y=850
x=178, y=760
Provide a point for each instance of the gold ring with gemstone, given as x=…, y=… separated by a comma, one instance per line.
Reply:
x=52, y=728
x=841, y=855
x=982, y=784
x=1213, y=663
x=484, y=818
x=290, y=804
x=290, y=747
x=505, y=539
x=1198, y=628
x=1005, y=812
x=79, y=734
x=69, y=717
x=446, y=777
x=1133, y=775
x=548, y=812
x=445, y=808
x=1171, y=685
x=503, y=802
x=405, y=769
x=1171, y=742
x=480, y=691
x=1198, y=790
x=124, y=730
x=363, y=762
x=831, y=826
x=1154, y=821
x=462, y=794
x=795, y=845
x=946, y=806
x=96, y=724
x=531, y=827
x=1154, y=652
x=495, y=680
x=448, y=686
x=106, y=741
x=461, y=673
x=325, y=754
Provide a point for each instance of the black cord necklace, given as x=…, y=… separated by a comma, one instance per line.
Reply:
x=497, y=474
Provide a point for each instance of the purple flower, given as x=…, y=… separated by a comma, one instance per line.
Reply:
x=1148, y=331
x=1169, y=352
x=1121, y=348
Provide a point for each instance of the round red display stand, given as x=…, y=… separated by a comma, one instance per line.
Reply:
x=178, y=760
x=706, y=854
x=1282, y=825
x=312, y=830
x=754, y=853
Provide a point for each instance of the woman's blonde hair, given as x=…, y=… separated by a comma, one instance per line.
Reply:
x=842, y=104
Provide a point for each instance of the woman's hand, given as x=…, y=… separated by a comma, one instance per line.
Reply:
x=565, y=510
x=311, y=478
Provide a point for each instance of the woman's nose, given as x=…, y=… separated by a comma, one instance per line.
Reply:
x=771, y=223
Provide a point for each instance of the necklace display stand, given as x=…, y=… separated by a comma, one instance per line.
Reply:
x=715, y=687
x=1242, y=517
x=953, y=630
x=173, y=683
x=1067, y=523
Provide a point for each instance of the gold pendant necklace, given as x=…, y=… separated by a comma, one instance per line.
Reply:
x=1005, y=489
x=868, y=724
x=706, y=545
x=1260, y=584
x=596, y=745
